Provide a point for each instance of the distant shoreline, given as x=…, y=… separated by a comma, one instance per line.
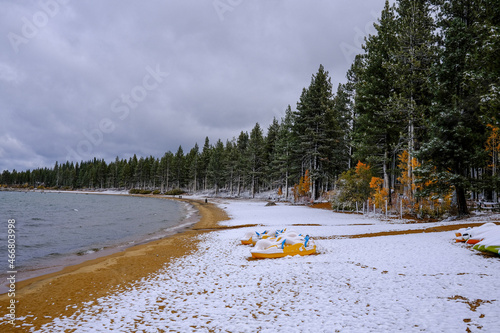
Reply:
x=49, y=295
x=69, y=259
x=190, y=220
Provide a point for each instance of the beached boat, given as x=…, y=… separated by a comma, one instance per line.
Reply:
x=485, y=238
x=252, y=237
x=287, y=244
x=490, y=242
x=488, y=248
x=474, y=235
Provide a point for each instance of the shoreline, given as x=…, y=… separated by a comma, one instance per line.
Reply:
x=55, y=265
x=45, y=297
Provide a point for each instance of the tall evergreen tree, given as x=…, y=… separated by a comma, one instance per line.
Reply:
x=255, y=157
x=216, y=166
x=166, y=171
x=192, y=162
x=315, y=128
x=179, y=168
x=270, y=153
x=378, y=127
x=283, y=161
x=455, y=140
x=204, y=161
x=242, y=165
x=231, y=158
x=412, y=62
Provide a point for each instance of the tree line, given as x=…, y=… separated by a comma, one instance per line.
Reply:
x=419, y=111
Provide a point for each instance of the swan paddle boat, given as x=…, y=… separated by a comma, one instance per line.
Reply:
x=252, y=237
x=285, y=244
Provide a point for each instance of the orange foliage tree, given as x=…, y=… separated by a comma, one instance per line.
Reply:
x=380, y=192
x=493, y=146
x=406, y=180
x=303, y=188
x=423, y=193
x=353, y=186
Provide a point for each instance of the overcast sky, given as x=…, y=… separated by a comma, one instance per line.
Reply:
x=84, y=79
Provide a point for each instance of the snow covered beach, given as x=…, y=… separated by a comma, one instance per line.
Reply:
x=407, y=282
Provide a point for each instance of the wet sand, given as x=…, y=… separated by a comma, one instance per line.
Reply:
x=61, y=293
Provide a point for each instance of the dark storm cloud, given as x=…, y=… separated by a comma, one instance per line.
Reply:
x=80, y=79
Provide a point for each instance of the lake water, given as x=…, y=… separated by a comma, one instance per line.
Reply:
x=57, y=229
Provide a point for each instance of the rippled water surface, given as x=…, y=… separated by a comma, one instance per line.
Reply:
x=51, y=226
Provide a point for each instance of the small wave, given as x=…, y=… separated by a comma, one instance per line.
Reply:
x=34, y=246
x=90, y=251
x=37, y=219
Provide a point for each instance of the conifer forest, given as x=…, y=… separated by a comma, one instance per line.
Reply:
x=416, y=126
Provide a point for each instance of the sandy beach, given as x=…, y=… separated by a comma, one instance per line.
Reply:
x=46, y=297
x=370, y=274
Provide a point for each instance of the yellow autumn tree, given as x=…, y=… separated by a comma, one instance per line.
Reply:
x=421, y=195
x=303, y=187
x=305, y=183
x=407, y=179
x=493, y=146
x=353, y=186
x=380, y=193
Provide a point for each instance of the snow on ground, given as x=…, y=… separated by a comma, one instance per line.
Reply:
x=410, y=283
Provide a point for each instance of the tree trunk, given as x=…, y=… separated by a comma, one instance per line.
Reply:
x=461, y=201
x=253, y=183
x=286, y=185
x=231, y=182
x=239, y=185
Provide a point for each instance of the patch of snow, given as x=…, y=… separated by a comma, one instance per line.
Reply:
x=410, y=283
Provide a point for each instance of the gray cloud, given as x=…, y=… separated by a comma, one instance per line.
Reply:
x=76, y=82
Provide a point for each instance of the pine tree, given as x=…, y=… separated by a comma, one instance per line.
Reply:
x=216, y=165
x=166, y=171
x=315, y=128
x=204, y=160
x=272, y=175
x=283, y=161
x=486, y=76
x=455, y=135
x=242, y=165
x=343, y=109
x=192, y=162
x=255, y=157
x=179, y=168
x=412, y=62
x=232, y=156
x=350, y=93
x=378, y=127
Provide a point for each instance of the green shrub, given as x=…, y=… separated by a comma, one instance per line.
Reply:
x=175, y=191
x=139, y=191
